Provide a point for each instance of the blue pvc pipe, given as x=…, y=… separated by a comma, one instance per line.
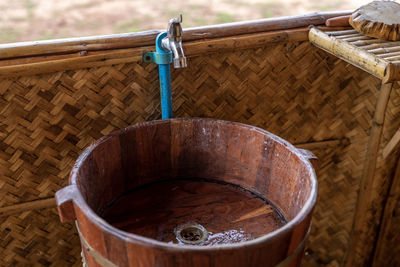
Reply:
x=164, y=71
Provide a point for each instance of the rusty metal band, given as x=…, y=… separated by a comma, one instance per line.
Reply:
x=106, y=263
x=93, y=253
x=296, y=252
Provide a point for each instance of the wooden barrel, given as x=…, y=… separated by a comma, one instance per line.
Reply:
x=222, y=171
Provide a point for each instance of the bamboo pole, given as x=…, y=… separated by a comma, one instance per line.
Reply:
x=90, y=60
x=325, y=143
x=338, y=33
x=391, y=54
x=392, y=58
x=27, y=206
x=131, y=40
x=394, y=47
x=361, y=225
x=356, y=38
x=85, y=59
x=350, y=35
x=244, y=41
x=356, y=56
x=368, y=43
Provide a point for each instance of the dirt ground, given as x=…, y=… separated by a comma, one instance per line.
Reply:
x=27, y=20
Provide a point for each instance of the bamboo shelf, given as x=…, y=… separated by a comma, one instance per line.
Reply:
x=378, y=57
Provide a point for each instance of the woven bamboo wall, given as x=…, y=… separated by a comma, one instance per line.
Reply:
x=292, y=89
x=388, y=247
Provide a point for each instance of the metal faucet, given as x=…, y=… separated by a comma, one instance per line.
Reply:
x=173, y=42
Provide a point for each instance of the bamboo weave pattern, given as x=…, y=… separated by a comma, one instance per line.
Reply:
x=293, y=90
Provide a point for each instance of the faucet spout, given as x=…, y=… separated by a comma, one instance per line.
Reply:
x=173, y=42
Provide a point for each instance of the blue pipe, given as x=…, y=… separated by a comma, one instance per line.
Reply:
x=164, y=72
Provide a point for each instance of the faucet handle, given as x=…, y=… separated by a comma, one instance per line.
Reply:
x=174, y=30
x=176, y=20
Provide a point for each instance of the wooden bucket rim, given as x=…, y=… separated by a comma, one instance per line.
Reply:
x=78, y=199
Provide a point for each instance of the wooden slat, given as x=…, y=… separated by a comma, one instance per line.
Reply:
x=353, y=39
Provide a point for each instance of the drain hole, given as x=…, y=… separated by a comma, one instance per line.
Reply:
x=191, y=233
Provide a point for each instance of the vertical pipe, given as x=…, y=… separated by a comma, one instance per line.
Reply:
x=164, y=71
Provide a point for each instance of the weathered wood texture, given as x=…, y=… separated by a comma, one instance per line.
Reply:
x=292, y=89
x=167, y=151
x=338, y=21
x=379, y=19
x=156, y=209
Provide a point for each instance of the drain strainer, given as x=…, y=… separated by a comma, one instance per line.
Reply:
x=191, y=233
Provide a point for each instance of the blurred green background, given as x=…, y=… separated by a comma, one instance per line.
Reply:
x=28, y=20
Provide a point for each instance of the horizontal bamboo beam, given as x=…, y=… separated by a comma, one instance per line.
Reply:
x=93, y=59
x=270, y=24
x=131, y=40
x=324, y=144
x=31, y=205
x=244, y=41
x=86, y=59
